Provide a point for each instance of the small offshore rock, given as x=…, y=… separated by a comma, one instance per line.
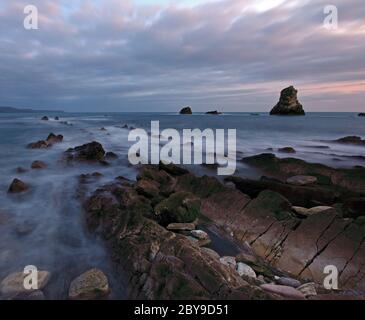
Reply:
x=17, y=186
x=245, y=270
x=92, y=284
x=186, y=110
x=45, y=118
x=229, y=261
x=301, y=180
x=288, y=104
x=38, y=165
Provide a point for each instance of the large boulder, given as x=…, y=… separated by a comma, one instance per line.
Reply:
x=288, y=103
x=92, y=284
x=92, y=151
x=186, y=110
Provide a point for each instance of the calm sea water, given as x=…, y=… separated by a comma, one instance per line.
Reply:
x=44, y=227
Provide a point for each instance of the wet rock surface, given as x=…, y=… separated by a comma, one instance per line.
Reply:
x=18, y=186
x=156, y=253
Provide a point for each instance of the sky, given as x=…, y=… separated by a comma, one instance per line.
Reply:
x=161, y=55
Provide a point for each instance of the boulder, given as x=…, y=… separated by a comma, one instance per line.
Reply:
x=186, y=110
x=288, y=103
x=229, y=261
x=287, y=150
x=38, y=165
x=245, y=270
x=57, y=118
x=213, y=254
x=199, y=234
x=301, y=180
x=284, y=291
x=21, y=170
x=13, y=284
x=17, y=186
x=93, y=151
x=93, y=284
x=45, y=118
x=181, y=207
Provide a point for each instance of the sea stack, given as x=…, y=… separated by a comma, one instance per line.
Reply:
x=186, y=110
x=288, y=104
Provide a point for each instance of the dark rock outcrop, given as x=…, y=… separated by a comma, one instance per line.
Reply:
x=214, y=112
x=17, y=186
x=288, y=103
x=361, y=114
x=351, y=140
x=186, y=110
x=45, y=118
x=350, y=179
x=92, y=151
x=43, y=144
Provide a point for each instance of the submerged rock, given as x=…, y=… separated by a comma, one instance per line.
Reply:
x=45, y=118
x=38, y=165
x=186, y=110
x=287, y=150
x=17, y=186
x=288, y=103
x=41, y=144
x=111, y=156
x=93, y=284
x=214, y=112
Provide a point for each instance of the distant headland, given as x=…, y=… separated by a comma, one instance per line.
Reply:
x=25, y=110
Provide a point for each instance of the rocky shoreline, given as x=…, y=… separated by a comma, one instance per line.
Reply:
x=174, y=235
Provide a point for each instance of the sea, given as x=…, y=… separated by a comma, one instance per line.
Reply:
x=45, y=228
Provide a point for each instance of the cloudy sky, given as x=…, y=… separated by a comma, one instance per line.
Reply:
x=159, y=55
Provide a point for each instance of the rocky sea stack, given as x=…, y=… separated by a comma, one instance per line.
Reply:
x=288, y=104
x=186, y=110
